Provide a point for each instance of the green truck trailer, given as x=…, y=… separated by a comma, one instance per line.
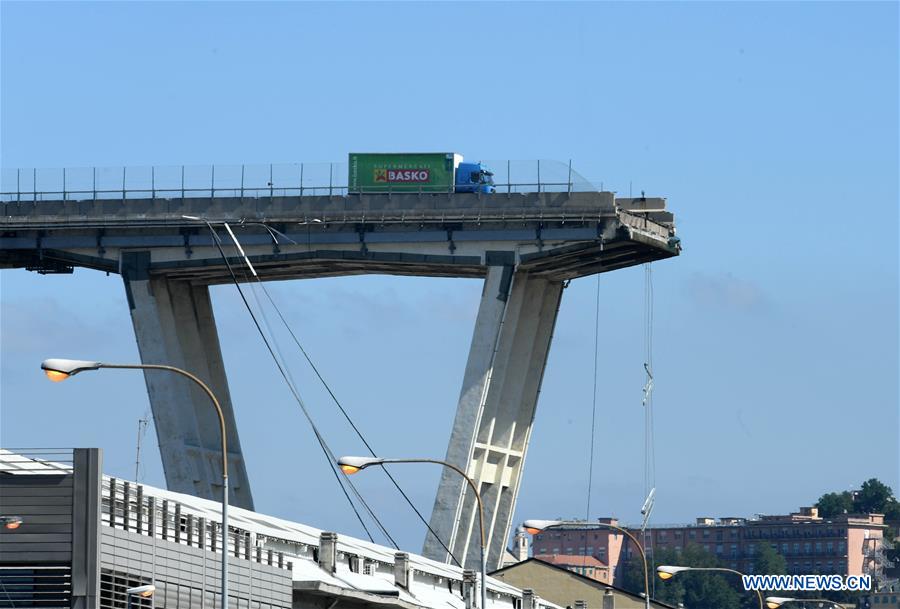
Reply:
x=425, y=172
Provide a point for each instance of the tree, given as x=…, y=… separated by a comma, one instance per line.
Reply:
x=892, y=512
x=873, y=496
x=833, y=504
x=769, y=562
x=696, y=590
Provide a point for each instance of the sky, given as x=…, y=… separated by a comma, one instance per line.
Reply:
x=771, y=129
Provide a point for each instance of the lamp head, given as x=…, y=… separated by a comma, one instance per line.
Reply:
x=60, y=369
x=11, y=522
x=774, y=602
x=351, y=465
x=143, y=591
x=536, y=526
x=668, y=571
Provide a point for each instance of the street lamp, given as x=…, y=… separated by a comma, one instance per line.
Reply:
x=536, y=526
x=668, y=572
x=141, y=591
x=773, y=602
x=58, y=370
x=352, y=465
x=11, y=522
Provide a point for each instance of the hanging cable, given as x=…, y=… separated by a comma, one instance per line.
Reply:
x=352, y=424
x=272, y=232
x=647, y=402
x=328, y=455
x=332, y=459
x=587, y=510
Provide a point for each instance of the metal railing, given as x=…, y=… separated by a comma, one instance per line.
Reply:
x=37, y=460
x=250, y=181
x=125, y=506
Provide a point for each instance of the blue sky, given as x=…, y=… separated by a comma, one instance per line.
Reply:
x=771, y=128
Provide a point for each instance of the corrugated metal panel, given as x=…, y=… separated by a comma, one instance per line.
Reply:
x=44, y=501
x=35, y=586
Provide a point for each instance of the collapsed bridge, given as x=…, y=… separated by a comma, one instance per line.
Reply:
x=524, y=245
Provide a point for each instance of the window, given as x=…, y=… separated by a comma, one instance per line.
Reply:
x=784, y=548
x=796, y=548
x=719, y=548
x=734, y=551
x=818, y=547
x=829, y=547
x=705, y=534
x=807, y=548
x=692, y=534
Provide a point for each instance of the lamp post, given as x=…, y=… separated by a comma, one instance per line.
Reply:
x=773, y=602
x=142, y=591
x=668, y=572
x=536, y=526
x=351, y=465
x=58, y=370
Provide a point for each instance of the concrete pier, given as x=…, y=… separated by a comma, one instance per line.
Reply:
x=174, y=325
x=496, y=408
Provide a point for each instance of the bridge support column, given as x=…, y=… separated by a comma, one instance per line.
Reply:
x=496, y=408
x=174, y=325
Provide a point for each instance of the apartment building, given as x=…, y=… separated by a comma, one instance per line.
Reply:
x=848, y=544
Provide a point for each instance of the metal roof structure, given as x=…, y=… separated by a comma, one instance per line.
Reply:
x=368, y=578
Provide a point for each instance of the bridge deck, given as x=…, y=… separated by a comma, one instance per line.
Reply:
x=559, y=235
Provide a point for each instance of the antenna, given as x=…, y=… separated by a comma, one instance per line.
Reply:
x=142, y=425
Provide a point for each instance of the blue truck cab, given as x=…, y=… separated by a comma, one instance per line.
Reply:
x=474, y=177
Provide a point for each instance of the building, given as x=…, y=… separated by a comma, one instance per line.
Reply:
x=889, y=598
x=563, y=587
x=588, y=566
x=848, y=544
x=84, y=538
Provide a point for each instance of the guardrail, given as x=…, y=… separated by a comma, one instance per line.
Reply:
x=248, y=181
